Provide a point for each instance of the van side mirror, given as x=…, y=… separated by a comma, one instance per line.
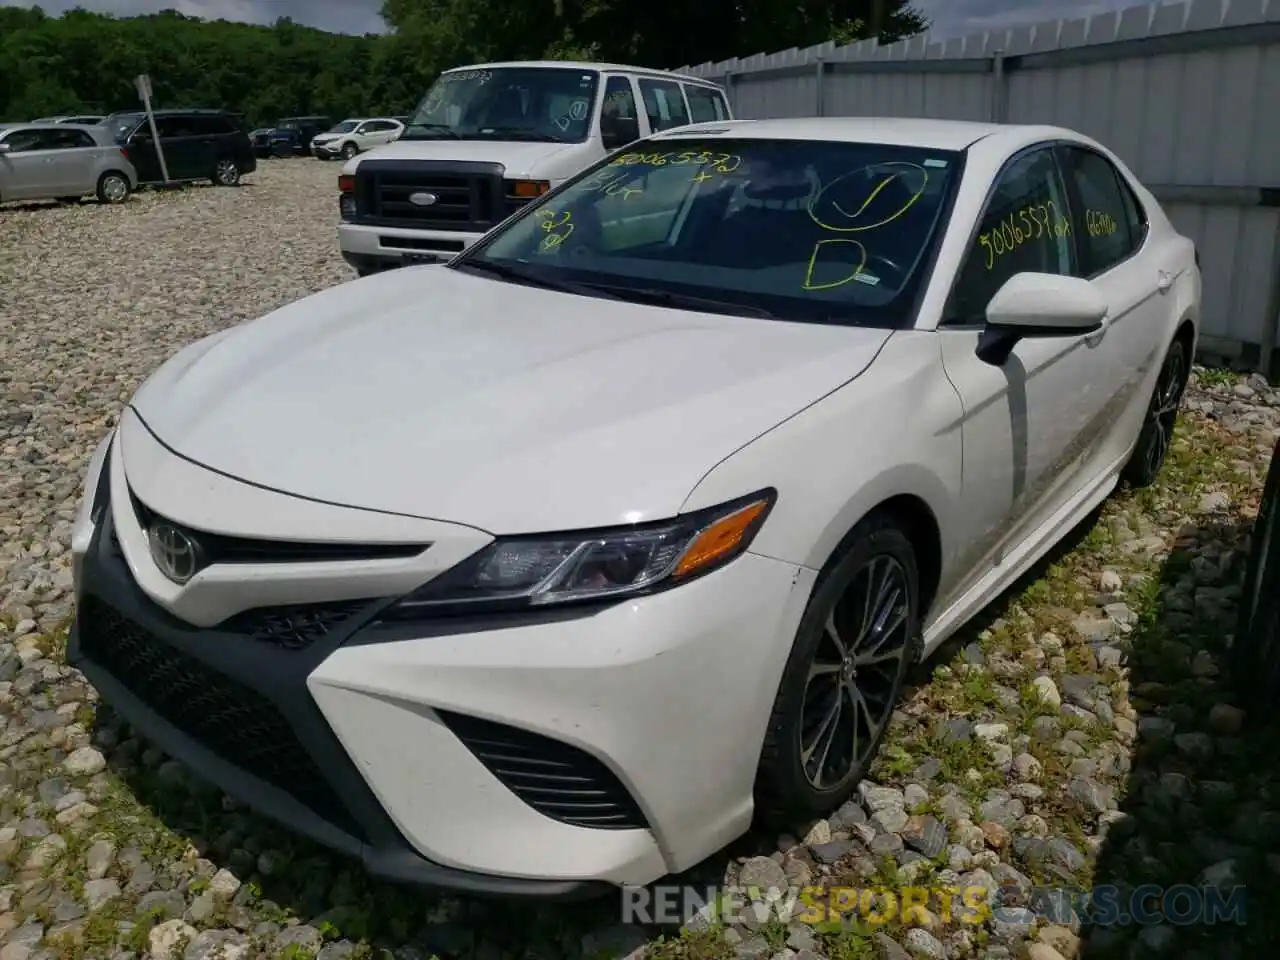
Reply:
x=617, y=131
x=5, y=147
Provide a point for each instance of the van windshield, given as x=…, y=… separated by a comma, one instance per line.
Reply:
x=554, y=104
x=817, y=231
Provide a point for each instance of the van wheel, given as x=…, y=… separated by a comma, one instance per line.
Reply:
x=113, y=187
x=858, y=637
x=226, y=173
x=349, y=151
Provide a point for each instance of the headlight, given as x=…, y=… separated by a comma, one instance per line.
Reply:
x=533, y=572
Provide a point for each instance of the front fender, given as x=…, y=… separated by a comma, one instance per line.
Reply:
x=892, y=431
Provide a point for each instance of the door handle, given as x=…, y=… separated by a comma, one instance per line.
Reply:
x=1093, y=339
x=1164, y=282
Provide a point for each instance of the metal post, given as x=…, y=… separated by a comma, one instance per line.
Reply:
x=819, y=105
x=728, y=92
x=143, y=83
x=997, y=88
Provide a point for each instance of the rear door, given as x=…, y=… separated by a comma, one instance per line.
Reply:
x=76, y=160
x=25, y=168
x=188, y=147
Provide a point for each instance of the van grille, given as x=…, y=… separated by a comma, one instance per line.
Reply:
x=465, y=199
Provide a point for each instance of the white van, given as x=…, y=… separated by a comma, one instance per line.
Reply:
x=488, y=138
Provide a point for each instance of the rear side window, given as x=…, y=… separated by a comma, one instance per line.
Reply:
x=65, y=140
x=705, y=105
x=1102, y=220
x=208, y=126
x=664, y=103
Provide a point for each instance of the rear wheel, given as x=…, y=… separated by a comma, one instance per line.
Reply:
x=1156, y=435
x=1255, y=649
x=113, y=187
x=856, y=641
x=226, y=173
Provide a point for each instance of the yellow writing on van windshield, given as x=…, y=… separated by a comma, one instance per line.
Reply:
x=1039, y=221
x=557, y=226
x=1100, y=224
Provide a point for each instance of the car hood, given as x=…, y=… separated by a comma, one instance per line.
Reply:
x=432, y=393
x=518, y=156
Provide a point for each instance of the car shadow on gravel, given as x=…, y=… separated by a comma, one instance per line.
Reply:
x=1188, y=865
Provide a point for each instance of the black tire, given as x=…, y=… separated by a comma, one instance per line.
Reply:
x=226, y=173
x=1156, y=435
x=349, y=150
x=787, y=789
x=113, y=187
x=1255, y=649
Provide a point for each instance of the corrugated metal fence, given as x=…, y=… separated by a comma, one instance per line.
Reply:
x=1188, y=94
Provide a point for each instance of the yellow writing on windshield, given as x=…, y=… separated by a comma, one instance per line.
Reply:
x=721, y=163
x=1099, y=224
x=557, y=226
x=1034, y=222
x=880, y=206
x=612, y=184
x=851, y=258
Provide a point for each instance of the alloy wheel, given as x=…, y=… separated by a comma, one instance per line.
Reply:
x=114, y=188
x=849, y=693
x=1164, y=407
x=227, y=172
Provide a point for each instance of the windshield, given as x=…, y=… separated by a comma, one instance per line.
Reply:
x=507, y=103
x=346, y=126
x=798, y=230
x=122, y=124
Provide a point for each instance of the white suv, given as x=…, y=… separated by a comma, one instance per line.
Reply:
x=355, y=136
x=487, y=139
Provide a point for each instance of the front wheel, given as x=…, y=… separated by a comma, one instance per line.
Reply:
x=349, y=151
x=226, y=173
x=857, y=639
x=113, y=187
x=1156, y=435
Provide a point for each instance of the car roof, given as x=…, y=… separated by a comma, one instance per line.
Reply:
x=48, y=125
x=895, y=131
x=586, y=65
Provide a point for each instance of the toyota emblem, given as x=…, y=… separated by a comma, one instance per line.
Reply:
x=422, y=199
x=175, y=553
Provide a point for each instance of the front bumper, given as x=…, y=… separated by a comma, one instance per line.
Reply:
x=325, y=151
x=367, y=248
x=422, y=749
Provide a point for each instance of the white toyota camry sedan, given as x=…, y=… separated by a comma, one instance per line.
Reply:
x=549, y=568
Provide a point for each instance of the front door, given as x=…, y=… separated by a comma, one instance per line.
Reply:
x=1030, y=424
x=26, y=168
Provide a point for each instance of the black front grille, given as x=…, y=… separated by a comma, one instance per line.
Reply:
x=295, y=627
x=230, y=719
x=559, y=781
x=465, y=198
x=219, y=548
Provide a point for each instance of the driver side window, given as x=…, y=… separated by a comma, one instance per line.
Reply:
x=1026, y=228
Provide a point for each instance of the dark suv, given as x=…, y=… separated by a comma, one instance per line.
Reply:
x=197, y=145
x=292, y=135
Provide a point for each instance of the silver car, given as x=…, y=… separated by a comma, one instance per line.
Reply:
x=63, y=161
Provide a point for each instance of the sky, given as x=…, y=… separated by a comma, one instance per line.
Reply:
x=950, y=17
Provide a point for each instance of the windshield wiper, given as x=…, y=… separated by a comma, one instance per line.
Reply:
x=507, y=271
x=520, y=133
x=665, y=298
x=435, y=128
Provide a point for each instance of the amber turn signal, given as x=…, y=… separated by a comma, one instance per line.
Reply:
x=720, y=539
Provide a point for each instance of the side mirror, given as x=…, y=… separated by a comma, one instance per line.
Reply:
x=5, y=147
x=616, y=131
x=1039, y=305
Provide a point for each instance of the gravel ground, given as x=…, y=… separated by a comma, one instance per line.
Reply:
x=1081, y=735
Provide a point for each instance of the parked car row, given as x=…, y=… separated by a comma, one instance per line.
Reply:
x=60, y=158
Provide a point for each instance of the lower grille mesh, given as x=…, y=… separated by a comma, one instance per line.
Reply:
x=559, y=781
x=226, y=717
